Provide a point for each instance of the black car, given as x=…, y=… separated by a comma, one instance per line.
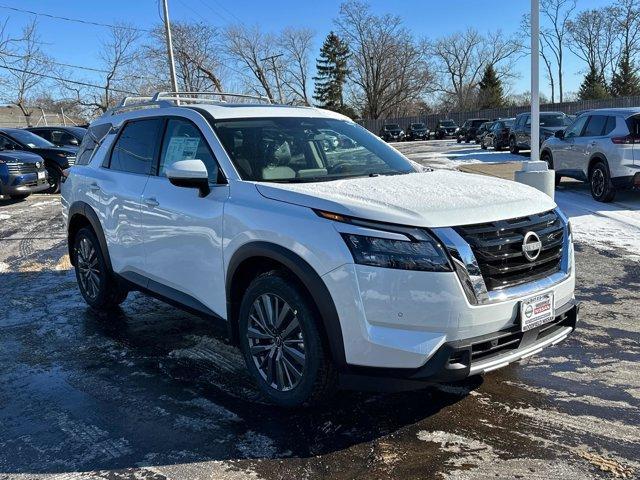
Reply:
x=60, y=136
x=391, y=132
x=21, y=174
x=498, y=135
x=445, y=128
x=482, y=131
x=469, y=129
x=550, y=123
x=56, y=159
x=417, y=131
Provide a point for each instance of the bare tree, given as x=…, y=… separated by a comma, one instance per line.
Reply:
x=627, y=24
x=556, y=14
x=26, y=65
x=296, y=44
x=119, y=58
x=388, y=69
x=247, y=47
x=544, y=54
x=460, y=59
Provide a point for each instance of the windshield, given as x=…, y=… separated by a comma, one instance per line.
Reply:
x=477, y=123
x=508, y=123
x=29, y=139
x=448, y=123
x=298, y=149
x=417, y=126
x=554, y=120
x=392, y=126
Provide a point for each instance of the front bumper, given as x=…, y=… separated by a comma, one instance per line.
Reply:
x=457, y=360
x=22, y=184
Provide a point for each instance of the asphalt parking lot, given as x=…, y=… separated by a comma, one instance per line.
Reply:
x=151, y=392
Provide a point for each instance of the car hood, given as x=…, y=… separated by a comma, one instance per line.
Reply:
x=69, y=151
x=19, y=156
x=430, y=199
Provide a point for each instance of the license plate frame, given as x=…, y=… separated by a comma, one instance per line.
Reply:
x=536, y=311
x=42, y=175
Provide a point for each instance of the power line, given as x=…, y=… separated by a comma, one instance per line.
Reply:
x=20, y=70
x=76, y=20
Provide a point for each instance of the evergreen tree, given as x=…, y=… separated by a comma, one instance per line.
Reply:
x=593, y=87
x=332, y=75
x=491, y=94
x=625, y=82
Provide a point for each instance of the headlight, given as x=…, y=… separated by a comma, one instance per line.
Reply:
x=61, y=155
x=426, y=255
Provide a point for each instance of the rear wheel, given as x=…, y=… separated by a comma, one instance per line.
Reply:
x=602, y=188
x=97, y=286
x=282, y=344
x=513, y=146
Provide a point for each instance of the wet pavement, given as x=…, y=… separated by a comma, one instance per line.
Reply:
x=153, y=392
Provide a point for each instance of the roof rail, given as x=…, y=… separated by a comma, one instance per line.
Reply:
x=170, y=99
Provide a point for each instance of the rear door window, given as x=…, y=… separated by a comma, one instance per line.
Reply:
x=595, y=126
x=136, y=148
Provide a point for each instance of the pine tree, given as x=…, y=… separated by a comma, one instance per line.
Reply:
x=332, y=75
x=491, y=94
x=593, y=87
x=625, y=82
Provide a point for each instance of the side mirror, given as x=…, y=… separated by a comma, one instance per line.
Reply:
x=74, y=141
x=559, y=134
x=190, y=174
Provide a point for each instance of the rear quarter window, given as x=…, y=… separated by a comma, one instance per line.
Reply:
x=91, y=141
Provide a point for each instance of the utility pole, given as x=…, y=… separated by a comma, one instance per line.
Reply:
x=535, y=80
x=275, y=71
x=167, y=29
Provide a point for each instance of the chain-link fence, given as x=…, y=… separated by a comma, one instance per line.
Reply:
x=374, y=125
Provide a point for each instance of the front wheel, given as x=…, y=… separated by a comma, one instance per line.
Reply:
x=282, y=344
x=21, y=196
x=602, y=188
x=513, y=146
x=54, y=174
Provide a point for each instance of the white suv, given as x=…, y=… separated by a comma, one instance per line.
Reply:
x=599, y=147
x=333, y=268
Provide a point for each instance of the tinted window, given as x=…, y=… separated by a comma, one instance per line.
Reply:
x=134, y=151
x=633, y=123
x=8, y=144
x=183, y=141
x=610, y=126
x=46, y=134
x=595, y=127
x=554, y=120
x=91, y=141
x=30, y=140
x=575, y=129
x=61, y=137
x=527, y=120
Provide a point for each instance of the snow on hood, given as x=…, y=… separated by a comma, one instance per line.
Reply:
x=432, y=199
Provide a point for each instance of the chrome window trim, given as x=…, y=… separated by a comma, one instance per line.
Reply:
x=472, y=281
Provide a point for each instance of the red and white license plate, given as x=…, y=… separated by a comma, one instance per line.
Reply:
x=536, y=311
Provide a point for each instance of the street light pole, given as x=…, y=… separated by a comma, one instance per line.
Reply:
x=535, y=80
x=167, y=29
x=275, y=72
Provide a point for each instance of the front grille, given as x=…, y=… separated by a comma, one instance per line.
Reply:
x=498, y=249
x=21, y=168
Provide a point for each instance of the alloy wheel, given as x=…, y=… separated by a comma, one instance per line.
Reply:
x=88, y=268
x=597, y=182
x=276, y=342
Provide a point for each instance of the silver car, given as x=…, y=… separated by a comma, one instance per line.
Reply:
x=598, y=147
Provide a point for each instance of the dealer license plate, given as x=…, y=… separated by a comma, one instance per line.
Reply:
x=536, y=311
x=41, y=175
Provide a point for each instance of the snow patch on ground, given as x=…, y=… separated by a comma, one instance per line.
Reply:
x=4, y=216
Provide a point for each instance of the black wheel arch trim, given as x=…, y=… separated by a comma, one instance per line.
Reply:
x=84, y=209
x=595, y=158
x=310, y=280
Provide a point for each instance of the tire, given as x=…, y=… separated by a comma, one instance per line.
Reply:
x=602, y=188
x=287, y=372
x=21, y=196
x=55, y=174
x=98, y=287
x=483, y=145
x=513, y=147
x=459, y=140
x=546, y=157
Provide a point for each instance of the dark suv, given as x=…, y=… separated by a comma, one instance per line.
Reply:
x=469, y=129
x=498, y=135
x=21, y=174
x=550, y=123
x=56, y=159
x=391, y=132
x=445, y=128
x=417, y=131
x=60, y=136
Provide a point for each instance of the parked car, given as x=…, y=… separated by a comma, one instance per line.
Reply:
x=21, y=174
x=391, y=132
x=550, y=123
x=56, y=159
x=445, y=128
x=601, y=147
x=60, y=136
x=498, y=135
x=469, y=129
x=482, y=131
x=417, y=131
x=322, y=272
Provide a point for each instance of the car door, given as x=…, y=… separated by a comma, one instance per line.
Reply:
x=183, y=231
x=117, y=193
x=524, y=133
x=564, y=150
x=588, y=142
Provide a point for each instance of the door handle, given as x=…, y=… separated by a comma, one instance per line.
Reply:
x=151, y=202
x=94, y=187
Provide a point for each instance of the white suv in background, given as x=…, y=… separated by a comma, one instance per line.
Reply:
x=331, y=268
x=598, y=147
